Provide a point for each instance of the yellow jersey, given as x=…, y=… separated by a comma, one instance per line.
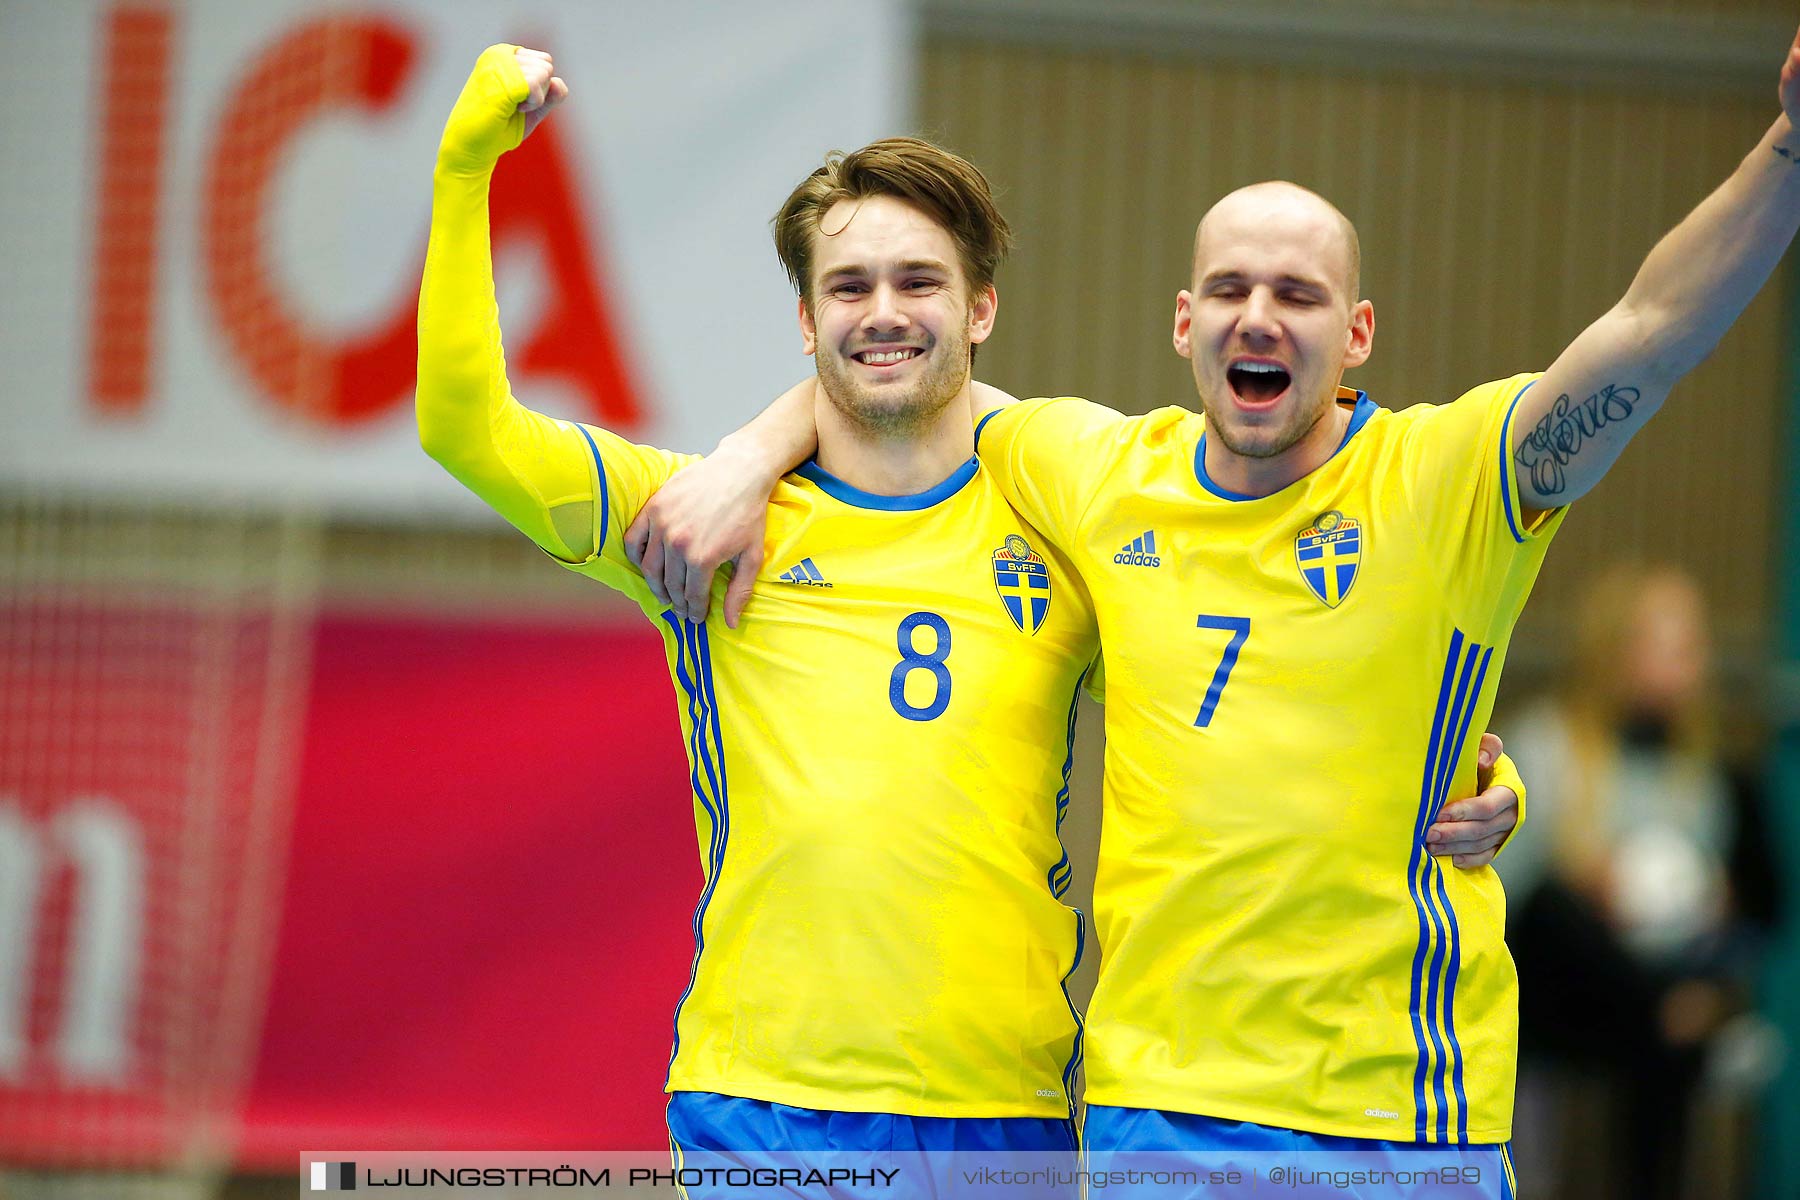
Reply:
x=879, y=754
x=1295, y=687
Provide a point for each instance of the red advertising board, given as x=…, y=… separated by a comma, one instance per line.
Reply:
x=493, y=869
x=484, y=902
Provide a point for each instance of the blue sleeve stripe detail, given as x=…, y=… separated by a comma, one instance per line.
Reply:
x=1507, y=500
x=600, y=474
x=1437, y=961
x=982, y=424
x=706, y=775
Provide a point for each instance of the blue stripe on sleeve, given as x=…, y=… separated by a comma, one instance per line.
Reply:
x=600, y=474
x=1507, y=500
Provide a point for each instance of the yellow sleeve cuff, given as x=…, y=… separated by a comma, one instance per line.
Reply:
x=486, y=121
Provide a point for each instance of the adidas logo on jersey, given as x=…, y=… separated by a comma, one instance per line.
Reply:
x=804, y=574
x=1140, y=552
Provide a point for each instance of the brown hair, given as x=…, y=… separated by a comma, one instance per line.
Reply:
x=944, y=186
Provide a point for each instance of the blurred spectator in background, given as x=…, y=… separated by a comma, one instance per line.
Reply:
x=1639, y=890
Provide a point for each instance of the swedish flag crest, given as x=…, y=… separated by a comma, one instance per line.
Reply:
x=1329, y=552
x=1022, y=578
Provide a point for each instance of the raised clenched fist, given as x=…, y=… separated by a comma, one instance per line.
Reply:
x=547, y=91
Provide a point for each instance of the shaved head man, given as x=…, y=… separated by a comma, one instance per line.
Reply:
x=1270, y=321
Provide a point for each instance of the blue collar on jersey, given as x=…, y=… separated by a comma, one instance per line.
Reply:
x=836, y=488
x=1359, y=416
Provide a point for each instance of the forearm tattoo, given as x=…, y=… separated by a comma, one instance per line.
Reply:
x=1558, y=438
x=1793, y=156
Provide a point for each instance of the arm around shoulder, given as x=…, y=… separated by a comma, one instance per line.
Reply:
x=1048, y=456
x=715, y=511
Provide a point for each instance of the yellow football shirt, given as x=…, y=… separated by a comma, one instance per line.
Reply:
x=880, y=764
x=1295, y=687
x=879, y=754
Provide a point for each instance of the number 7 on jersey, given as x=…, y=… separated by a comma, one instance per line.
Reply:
x=1239, y=628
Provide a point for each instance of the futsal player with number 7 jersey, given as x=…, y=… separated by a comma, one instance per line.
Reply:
x=1345, y=580
x=1273, y=956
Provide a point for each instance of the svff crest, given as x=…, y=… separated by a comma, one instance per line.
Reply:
x=1022, y=578
x=1329, y=554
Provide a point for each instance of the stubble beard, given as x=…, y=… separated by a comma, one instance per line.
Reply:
x=1256, y=442
x=897, y=411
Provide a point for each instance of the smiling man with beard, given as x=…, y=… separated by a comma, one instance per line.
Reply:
x=880, y=753
x=912, y=372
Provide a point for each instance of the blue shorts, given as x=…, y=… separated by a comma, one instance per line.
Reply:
x=1206, y=1152
x=716, y=1139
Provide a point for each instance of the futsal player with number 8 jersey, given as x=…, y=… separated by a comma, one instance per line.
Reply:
x=879, y=755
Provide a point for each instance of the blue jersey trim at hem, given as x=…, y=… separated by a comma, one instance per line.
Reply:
x=707, y=1123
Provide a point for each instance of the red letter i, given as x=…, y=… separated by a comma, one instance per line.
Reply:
x=131, y=152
